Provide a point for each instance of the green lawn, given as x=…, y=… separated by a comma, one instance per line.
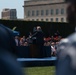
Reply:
x=40, y=70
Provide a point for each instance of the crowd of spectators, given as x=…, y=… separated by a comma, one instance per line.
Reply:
x=53, y=43
x=48, y=41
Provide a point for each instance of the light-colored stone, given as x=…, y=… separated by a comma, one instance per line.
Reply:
x=38, y=5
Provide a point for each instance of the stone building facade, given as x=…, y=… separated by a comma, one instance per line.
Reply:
x=45, y=10
x=10, y=14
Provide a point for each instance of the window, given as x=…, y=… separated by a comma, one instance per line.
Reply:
x=52, y=11
x=46, y=19
x=62, y=19
x=32, y=13
x=10, y=13
x=57, y=11
x=42, y=12
x=28, y=13
x=14, y=13
x=51, y=19
x=37, y=13
x=56, y=19
x=62, y=11
x=47, y=12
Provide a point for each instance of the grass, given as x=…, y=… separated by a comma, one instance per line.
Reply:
x=49, y=70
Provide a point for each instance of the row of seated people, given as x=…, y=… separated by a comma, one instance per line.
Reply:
x=53, y=46
x=49, y=49
x=52, y=42
x=25, y=41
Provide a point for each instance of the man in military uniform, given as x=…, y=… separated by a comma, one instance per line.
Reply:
x=66, y=56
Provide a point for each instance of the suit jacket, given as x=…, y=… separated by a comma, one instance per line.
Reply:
x=39, y=37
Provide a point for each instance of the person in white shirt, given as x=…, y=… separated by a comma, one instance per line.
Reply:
x=17, y=40
x=53, y=50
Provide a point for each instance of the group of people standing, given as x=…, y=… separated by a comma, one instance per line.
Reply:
x=36, y=38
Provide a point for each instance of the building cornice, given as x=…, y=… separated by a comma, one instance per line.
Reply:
x=44, y=4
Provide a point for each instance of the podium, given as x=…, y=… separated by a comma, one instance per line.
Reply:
x=34, y=51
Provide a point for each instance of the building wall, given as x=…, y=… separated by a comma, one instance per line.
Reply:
x=9, y=14
x=46, y=8
x=40, y=2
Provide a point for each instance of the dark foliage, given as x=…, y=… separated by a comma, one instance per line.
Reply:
x=49, y=28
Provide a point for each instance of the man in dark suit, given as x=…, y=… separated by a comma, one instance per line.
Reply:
x=66, y=53
x=38, y=43
x=39, y=36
